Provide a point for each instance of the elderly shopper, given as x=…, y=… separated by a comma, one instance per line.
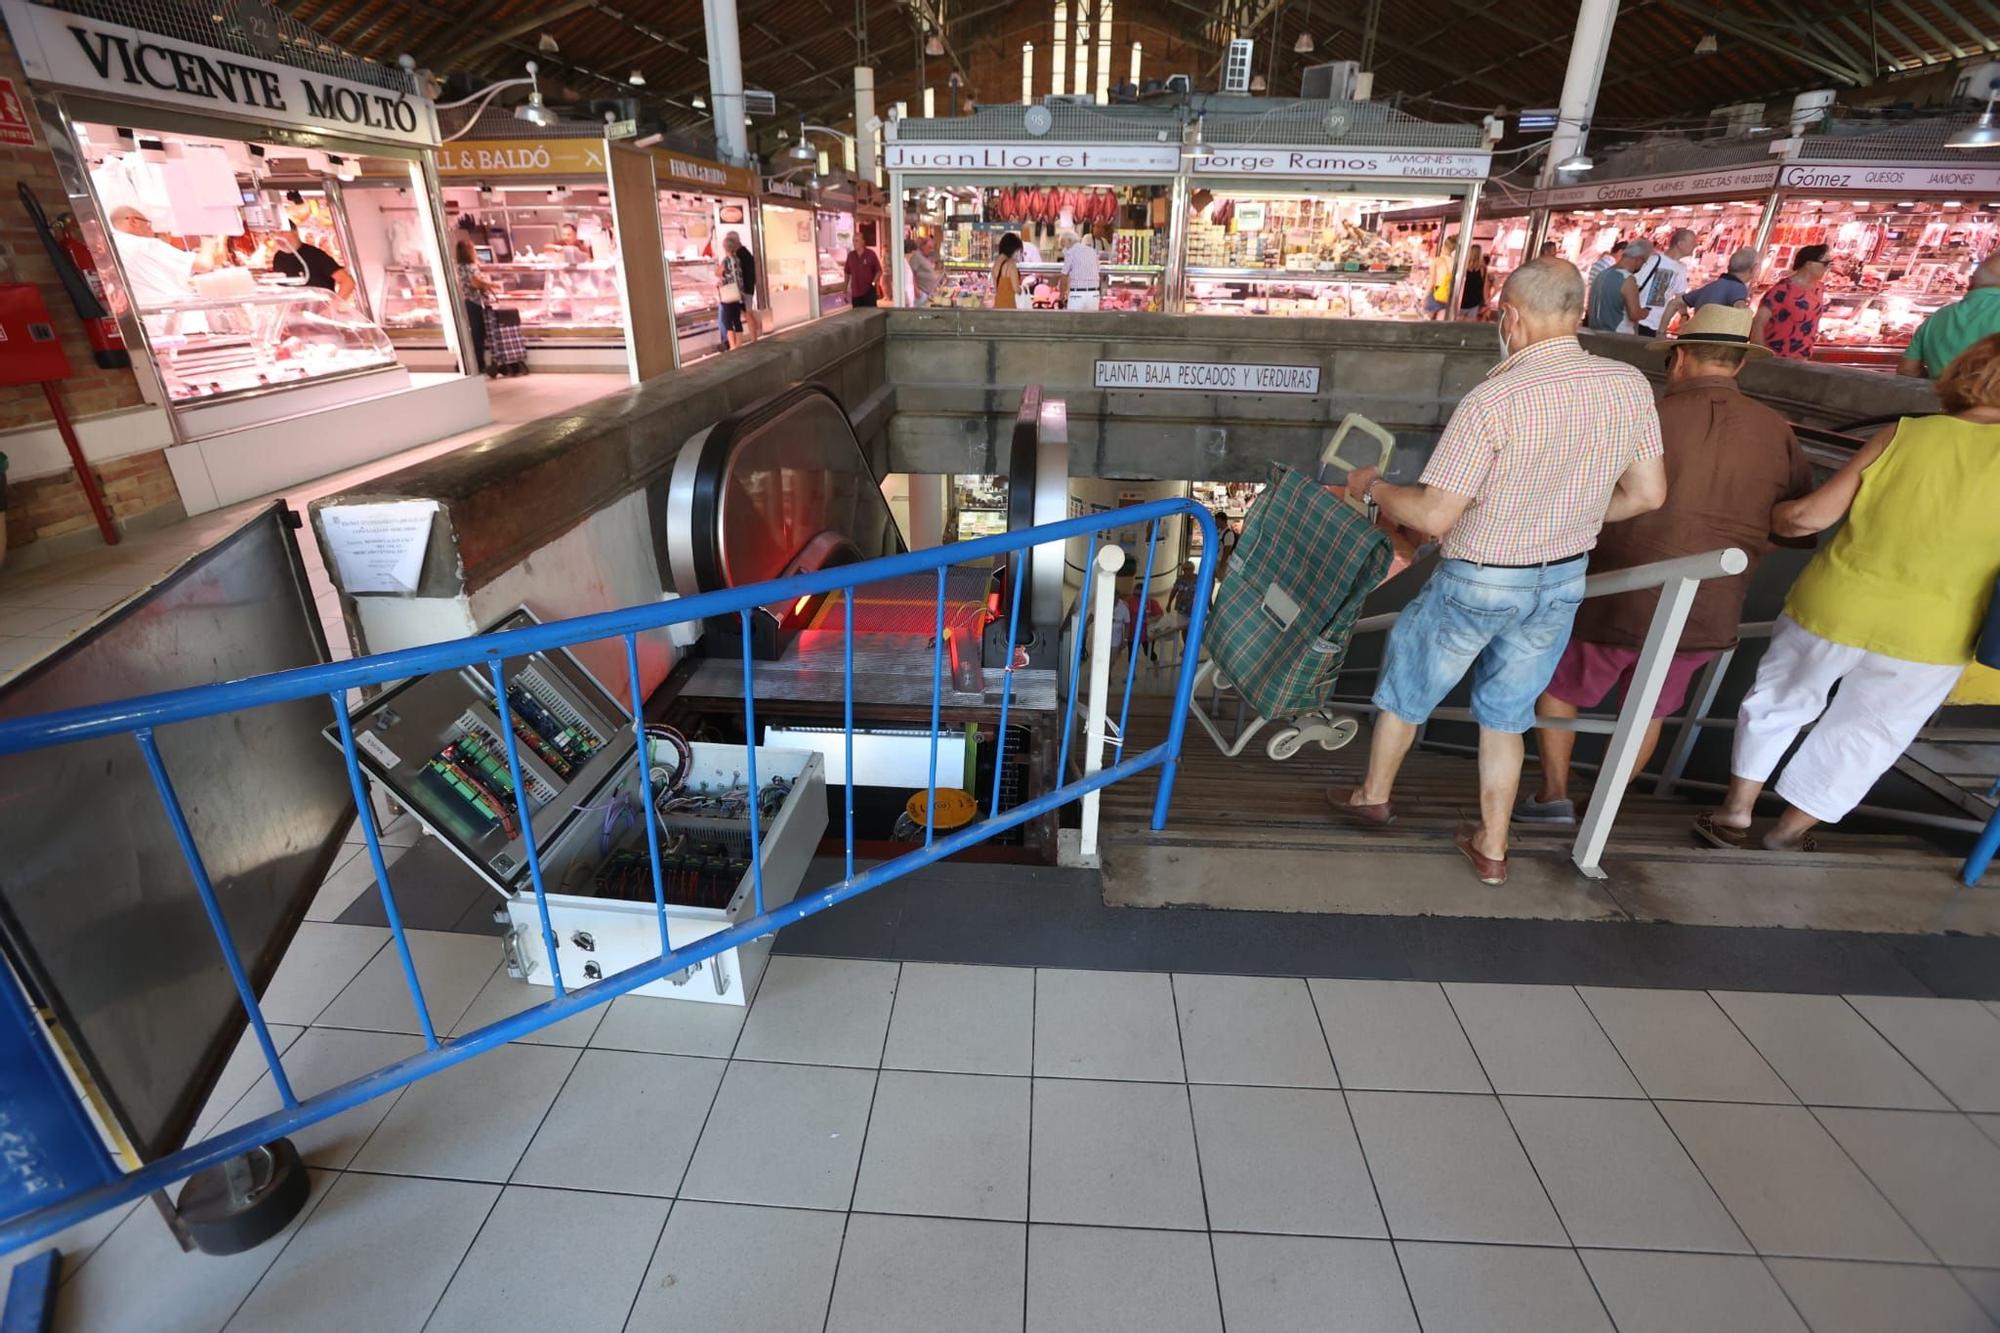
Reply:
x=1730, y=462
x=1614, y=293
x=1955, y=327
x=1889, y=610
x=1732, y=287
x=1552, y=445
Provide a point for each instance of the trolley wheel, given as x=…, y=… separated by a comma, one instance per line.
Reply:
x=242, y=1203
x=1284, y=744
x=1338, y=733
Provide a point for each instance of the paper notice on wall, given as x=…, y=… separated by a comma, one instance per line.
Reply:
x=379, y=547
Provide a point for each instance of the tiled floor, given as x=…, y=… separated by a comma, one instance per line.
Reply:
x=41, y=606
x=884, y=1146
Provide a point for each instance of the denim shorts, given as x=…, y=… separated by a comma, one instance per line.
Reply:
x=1507, y=626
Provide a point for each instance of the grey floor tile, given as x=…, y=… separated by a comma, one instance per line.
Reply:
x=825, y=1011
x=1984, y=1284
x=1279, y=1284
x=920, y=1274
x=1828, y=1053
x=947, y=1145
x=682, y=1027
x=1400, y=1036
x=1618, y=1176
x=376, y=1254
x=788, y=1135
x=626, y=1123
x=1251, y=1030
x=318, y=1060
x=1106, y=1025
x=353, y=874
x=139, y=1278
x=1988, y=1125
x=1500, y=1288
x=451, y=968
x=1104, y=1280
x=1449, y=1168
x=1682, y=1046
x=317, y=966
x=1868, y=1298
x=552, y=1259
x=1114, y=1154
x=1788, y=1184
x=504, y=996
x=77, y=1243
x=246, y=1065
x=474, y=1120
x=1954, y=1043
x=963, y=1020
x=1940, y=1172
x=1679, y=1293
x=1282, y=1160
x=721, y=1266
x=1540, y=1040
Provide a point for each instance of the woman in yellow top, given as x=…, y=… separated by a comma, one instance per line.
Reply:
x=1007, y=291
x=1889, y=608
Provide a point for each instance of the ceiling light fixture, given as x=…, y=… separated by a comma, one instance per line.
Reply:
x=933, y=45
x=1198, y=150
x=1577, y=161
x=636, y=78
x=532, y=110
x=1304, y=45
x=1705, y=44
x=548, y=44
x=699, y=104
x=1257, y=84
x=1984, y=134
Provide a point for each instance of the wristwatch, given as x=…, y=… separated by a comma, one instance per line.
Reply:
x=1368, y=491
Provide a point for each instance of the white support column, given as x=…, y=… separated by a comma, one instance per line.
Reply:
x=1587, y=51
x=1110, y=559
x=1649, y=676
x=1765, y=222
x=866, y=141
x=725, y=80
x=927, y=509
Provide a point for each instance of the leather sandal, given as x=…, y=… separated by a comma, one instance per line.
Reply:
x=1489, y=870
x=1720, y=835
x=1373, y=816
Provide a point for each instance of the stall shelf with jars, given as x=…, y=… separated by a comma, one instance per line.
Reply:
x=1120, y=223
x=1321, y=255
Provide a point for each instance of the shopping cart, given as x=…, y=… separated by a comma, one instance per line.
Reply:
x=1283, y=614
x=506, y=350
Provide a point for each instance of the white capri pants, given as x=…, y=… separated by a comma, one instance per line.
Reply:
x=1882, y=703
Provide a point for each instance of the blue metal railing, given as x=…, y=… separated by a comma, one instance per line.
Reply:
x=141, y=716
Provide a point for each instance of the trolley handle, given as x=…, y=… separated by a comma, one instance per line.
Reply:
x=1335, y=453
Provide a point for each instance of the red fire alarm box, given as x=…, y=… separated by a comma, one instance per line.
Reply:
x=29, y=350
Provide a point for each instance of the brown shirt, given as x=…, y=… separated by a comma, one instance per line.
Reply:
x=1729, y=460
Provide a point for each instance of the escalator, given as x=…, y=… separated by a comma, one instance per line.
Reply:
x=785, y=487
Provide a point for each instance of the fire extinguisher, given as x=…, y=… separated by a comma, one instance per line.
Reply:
x=107, y=344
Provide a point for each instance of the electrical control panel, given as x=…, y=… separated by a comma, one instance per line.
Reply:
x=438, y=743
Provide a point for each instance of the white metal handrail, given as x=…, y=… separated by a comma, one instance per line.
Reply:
x=1678, y=580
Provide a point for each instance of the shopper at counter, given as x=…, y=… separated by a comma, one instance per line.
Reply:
x=1889, y=609
x=1614, y=294
x=1731, y=288
x=746, y=281
x=1787, y=319
x=477, y=290
x=1008, y=291
x=1730, y=462
x=864, y=278
x=1472, y=301
x=1957, y=326
x=923, y=271
x=296, y=258
x=729, y=294
x=1080, y=273
x=1663, y=280
x=156, y=272
x=1551, y=446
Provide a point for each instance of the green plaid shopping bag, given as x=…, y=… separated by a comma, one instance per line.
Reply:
x=1284, y=614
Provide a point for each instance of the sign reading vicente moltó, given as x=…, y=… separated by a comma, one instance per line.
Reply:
x=71, y=51
x=1206, y=377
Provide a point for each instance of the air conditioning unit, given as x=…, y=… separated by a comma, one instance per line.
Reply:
x=1236, y=65
x=1179, y=83
x=1332, y=82
x=757, y=102
x=1069, y=99
x=1978, y=82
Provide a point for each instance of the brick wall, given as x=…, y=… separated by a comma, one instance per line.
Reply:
x=135, y=485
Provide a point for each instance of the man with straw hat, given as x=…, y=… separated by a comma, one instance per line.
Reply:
x=1729, y=462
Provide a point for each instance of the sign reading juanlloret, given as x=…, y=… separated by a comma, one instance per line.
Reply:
x=1207, y=377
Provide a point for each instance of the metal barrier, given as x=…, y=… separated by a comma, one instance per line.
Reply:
x=140, y=717
x=1678, y=580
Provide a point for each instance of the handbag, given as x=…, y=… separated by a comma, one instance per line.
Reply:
x=729, y=294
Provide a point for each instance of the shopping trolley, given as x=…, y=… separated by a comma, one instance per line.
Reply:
x=506, y=348
x=1283, y=614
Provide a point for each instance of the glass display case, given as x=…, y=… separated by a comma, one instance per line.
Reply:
x=212, y=346
x=1120, y=286
x=1333, y=294
x=1269, y=254
x=550, y=253
x=692, y=229
x=833, y=237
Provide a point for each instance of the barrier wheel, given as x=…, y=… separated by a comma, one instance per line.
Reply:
x=1285, y=744
x=242, y=1203
x=1339, y=733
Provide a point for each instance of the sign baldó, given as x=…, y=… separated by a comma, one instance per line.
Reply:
x=73, y=51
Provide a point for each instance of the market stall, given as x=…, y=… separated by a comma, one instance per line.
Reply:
x=1905, y=238
x=1726, y=208
x=701, y=204
x=789, y=268
x=252, y=272
x=833, y=238
x=969, y=180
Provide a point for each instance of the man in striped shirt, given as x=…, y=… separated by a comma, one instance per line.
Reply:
x=1551, y=446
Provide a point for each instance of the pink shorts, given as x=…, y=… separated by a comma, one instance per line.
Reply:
x=1589, y=672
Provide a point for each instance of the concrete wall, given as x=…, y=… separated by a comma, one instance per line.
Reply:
x=958, y=376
